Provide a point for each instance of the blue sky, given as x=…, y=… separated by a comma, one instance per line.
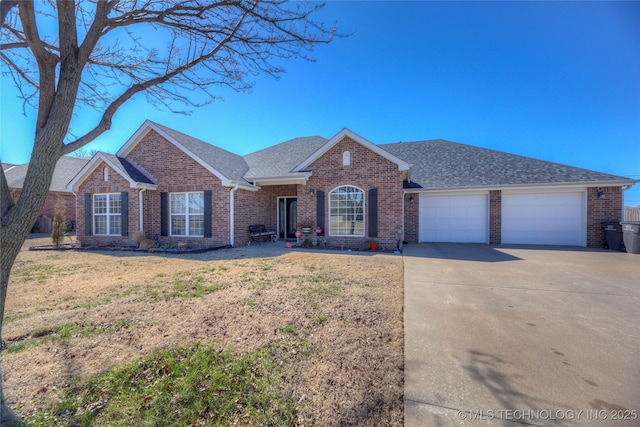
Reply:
x=551, y=80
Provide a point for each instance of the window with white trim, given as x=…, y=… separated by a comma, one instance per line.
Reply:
x=107, y=210
x=187, y=214
x=346, y=211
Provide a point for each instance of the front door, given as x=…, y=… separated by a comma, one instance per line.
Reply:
x=287, y=217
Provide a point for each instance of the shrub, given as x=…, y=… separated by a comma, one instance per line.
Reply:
x=59, y=226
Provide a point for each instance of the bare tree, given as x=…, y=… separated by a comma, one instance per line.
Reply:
x=101, y=53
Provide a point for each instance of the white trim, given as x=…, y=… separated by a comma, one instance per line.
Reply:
x=239, y=185
x=300, y=178
x=519, y=187
x=107, y=214
x=402, y=165
x=141, y=209
x=364, y=213
x=284, y=232
x=91, y=167
x=186, y=214
x=511, y=191
x=149, y=125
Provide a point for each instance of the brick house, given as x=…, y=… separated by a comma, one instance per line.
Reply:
x=176, y=188
x=66, y=168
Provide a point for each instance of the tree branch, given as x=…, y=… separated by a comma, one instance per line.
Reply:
x=46, y=62
x=15, y=45
x=107, y=117
x=18, y=70
x=5, y=7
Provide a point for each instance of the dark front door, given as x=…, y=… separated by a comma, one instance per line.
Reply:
x=287, y=217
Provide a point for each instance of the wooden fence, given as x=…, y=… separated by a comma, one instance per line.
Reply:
x=632, y=214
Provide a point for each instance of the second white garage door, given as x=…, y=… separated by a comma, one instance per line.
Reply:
x=454, y=218
x=544, y=218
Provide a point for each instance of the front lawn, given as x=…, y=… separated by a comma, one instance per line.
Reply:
x=247, y=336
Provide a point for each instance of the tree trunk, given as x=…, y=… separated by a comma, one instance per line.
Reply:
x=16, y=221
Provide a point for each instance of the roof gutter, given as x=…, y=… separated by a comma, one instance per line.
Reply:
x=300, y=178
x=524, y=186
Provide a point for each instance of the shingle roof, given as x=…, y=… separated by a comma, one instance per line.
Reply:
x=66, y=168
x=229, y=164
x=127, y=169
x=279, y=160
x=445, y=164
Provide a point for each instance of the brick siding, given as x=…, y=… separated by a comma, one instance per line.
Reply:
x=495, y=217
x=49, y=208
x=367, y=170
x=608, y=208
x=411, y=217
x=95, y=184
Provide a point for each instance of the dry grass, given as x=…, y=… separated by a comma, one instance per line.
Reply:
x=345, y=310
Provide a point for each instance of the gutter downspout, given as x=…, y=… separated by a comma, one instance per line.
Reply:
x=140, y=209
x=232, y=213
x=401, y=244
x=76, y=221
x=624, y=188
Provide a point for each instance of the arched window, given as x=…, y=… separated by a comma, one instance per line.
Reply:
x=346, y=211
x=105, y=172
x=346, y=158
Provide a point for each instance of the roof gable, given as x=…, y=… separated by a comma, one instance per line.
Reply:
x=226, y=166
x=402, y=165
x=125, y=169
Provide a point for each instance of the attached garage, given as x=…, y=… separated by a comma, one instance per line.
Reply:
x=544, y=218
x=459, y=218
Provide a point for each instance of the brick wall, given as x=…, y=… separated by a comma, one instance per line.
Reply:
x=173, y=171
x=411, y=217
x=259, y=207
x=495, y=217
x=49, y=208
x=94, y=184
x=367, y=170
x=607, y=208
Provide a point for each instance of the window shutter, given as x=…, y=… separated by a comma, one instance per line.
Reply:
x=373, y=212
x=124, y=214
x=207, y=212
x=87, y=214
x=320, y=210
x=164, y=213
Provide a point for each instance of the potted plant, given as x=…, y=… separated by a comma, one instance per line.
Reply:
x=305, y=227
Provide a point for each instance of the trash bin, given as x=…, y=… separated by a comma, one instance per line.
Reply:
x=631, y=236
x=613, y=236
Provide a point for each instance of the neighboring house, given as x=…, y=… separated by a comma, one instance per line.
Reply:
x=176, y=188
x=66, y=168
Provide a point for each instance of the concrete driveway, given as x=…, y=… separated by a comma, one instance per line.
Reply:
x=521, y=336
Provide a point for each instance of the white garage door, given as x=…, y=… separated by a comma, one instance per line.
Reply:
x=544, y=219
x=454, y=218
